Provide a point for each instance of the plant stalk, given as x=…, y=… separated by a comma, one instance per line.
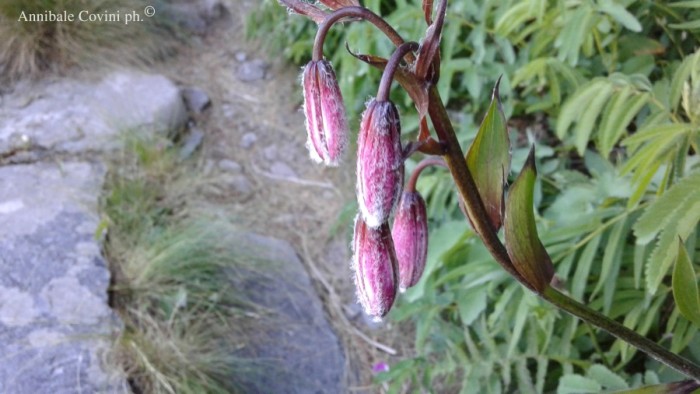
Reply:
x=390, y=69
x=653, y=349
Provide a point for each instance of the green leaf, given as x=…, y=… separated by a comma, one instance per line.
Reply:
x=524, y=247
x=691, y=25
x=583, y=268
x=685, y=287
x=571, y=109
x=471, y=304
x=661, y=212
x=618, y=115
x=488, y=159
x=667, y=249
x=681, y=75
x=612, y=254
x=586, y=122
x=620, y=14
x=577, y=384
x=607, y=379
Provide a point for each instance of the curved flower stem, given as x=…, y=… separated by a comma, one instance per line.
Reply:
x=390, y=69
x=477, y=215
x=356, y=12
x=425, y=163
x=646, y=345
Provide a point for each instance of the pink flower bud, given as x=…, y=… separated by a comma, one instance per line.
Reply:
x=325, y=114
x=379, y=162
x=375, y=266
x=410, y=236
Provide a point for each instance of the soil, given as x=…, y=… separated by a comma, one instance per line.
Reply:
x=278, y=191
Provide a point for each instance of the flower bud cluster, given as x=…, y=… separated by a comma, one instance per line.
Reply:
x=383, y=260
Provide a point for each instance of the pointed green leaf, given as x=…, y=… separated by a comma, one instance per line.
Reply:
x=488, y=159
x=522, y=242
x=685, y=287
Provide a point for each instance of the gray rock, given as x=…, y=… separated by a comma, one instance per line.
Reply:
x=248, y=140
x=230, y=166
x=241, y=56
x=195, y=15
x=252, y=70
x=193, y=140
x=56, y=327
x=69, y=116
x=305, y=352
x=196, y=100
x=282, y=169
x=133, y=100
x=270, y=152
x=240, y=186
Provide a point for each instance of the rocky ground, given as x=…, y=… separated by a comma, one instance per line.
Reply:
x=239, y=110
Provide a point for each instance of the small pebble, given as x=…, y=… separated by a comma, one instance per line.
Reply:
x=230, y=166
x=248, y=140
x=282, y=169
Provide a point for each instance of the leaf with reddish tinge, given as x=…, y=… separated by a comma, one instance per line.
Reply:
x=523, y=244
x=488, y=159
x=685, y=287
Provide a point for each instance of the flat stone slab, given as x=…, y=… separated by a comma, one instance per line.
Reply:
x=304, y=352
x=70, y=116
x=56, y=327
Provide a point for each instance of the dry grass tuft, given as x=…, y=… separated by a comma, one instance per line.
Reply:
x=28, y=49
x=180, y=276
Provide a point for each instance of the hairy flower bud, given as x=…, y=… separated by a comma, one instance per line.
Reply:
x=326, y=124
x=379, y=162
x=375, y=266
x=410, y=236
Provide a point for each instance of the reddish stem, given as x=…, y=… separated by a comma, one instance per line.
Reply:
x=425, y=163
x=390, y=69
x=355, y=12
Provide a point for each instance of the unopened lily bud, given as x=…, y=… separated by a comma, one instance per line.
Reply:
x=379, y=162
x=410, y=236
x=326, y=124
x=375, y=266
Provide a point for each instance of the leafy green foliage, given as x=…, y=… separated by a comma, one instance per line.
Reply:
x=609, y=92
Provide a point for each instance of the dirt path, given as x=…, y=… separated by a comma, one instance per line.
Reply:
x=254, y=139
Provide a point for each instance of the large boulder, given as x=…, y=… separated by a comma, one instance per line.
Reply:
x=56, y=328
x=303, y=351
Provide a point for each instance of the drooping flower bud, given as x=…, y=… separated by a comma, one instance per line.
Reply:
x=410, y=236
x=326, y=124
x=375, y=266
x=379, y=162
